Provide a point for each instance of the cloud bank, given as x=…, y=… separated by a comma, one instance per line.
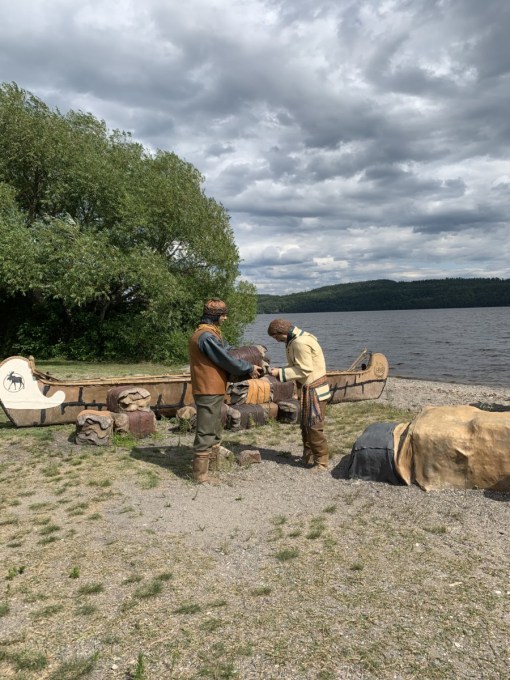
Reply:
x=348, y=140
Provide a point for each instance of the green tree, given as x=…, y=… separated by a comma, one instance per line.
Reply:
x=108, y=250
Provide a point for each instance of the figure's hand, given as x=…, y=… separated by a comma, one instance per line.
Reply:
x=275, y=372
x=257, y=372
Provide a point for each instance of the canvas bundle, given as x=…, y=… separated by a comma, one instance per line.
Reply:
x=253, y=354
x=252, y=415
x=281, y=391
x=455, y=447
x=125, y=398
x=94, y=427
x=254, y=391
x=288, y=411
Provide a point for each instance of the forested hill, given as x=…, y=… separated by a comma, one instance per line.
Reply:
x=386, y=294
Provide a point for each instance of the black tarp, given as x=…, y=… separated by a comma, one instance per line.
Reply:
x=371, y=456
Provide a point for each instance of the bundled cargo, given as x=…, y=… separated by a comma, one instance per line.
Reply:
x=281, y=391
x=127, y=398
x=253, y=391
x=141, y=423
x=94, y=427
x=288, y=411
x=444, y=447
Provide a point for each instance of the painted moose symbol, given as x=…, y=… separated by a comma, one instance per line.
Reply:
x=15, y=381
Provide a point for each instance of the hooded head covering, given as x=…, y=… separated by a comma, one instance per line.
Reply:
x=279, y=327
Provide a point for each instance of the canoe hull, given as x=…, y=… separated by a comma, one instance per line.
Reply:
x=62, y=400
x=361, y=384
x=31, y=398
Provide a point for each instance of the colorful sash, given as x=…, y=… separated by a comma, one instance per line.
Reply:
x=310, y=405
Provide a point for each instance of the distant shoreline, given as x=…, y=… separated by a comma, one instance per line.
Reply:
x=387, y=295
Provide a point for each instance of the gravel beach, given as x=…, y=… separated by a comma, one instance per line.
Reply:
x=413, y=394
x=116, y=562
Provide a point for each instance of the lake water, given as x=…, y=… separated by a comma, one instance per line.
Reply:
x=470, y=346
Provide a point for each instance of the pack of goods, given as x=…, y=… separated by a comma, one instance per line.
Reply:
x=187, y=417
x=120, y=423
x=288, y=411
x=253, y=354
x=252, y=415
x=94, y=427
x=373, y=455
x=253, y=391
x=281, y=391
x=456, y=447
x=125, y=398
x=141, y=423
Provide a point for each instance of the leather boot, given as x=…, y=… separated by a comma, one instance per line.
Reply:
x=320, y=463
x=214, y=462
x=307, y=458
x=320, y=449
x=201, y=468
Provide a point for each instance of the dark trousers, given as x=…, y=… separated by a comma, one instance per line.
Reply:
x=209, y=425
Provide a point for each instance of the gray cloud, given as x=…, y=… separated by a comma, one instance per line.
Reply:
x=348, y=140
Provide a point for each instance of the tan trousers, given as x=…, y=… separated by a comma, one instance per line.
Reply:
x=315, y=445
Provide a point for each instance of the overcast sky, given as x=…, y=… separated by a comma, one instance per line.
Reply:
x=348, y=139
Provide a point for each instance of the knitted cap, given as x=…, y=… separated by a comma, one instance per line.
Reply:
x=215, y=307
x=278, y=327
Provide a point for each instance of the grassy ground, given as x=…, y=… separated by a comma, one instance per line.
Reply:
x=82, y=369
x=115, y=565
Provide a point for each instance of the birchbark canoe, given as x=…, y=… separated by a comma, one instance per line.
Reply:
x=31, y=398
x=363, y=381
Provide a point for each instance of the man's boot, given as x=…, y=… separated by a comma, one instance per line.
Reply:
x=201, y=469
x=320, y=463
x=306, y=459
x=214, y=458
x=218, y=453
x=320, y=451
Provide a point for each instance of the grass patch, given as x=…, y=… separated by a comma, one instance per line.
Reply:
x=135, y=578
x=75, y=668
x=188, y=608
x=46, y=612
x=261, y=591
x=436, y=529
x=151, y=589
x=86, y=609
x=27, y=660
x=287, y=554
x=91, y=589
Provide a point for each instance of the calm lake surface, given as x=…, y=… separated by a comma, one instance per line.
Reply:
x=470, y=346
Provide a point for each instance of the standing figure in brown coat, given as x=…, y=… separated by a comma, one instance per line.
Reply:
x=210, y=365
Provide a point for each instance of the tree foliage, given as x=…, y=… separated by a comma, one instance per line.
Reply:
x=108, y=250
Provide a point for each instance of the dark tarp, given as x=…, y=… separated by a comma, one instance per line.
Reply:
x=372, y=455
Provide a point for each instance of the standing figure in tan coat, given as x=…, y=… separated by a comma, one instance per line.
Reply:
x=210, y=366
x=308, y=368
